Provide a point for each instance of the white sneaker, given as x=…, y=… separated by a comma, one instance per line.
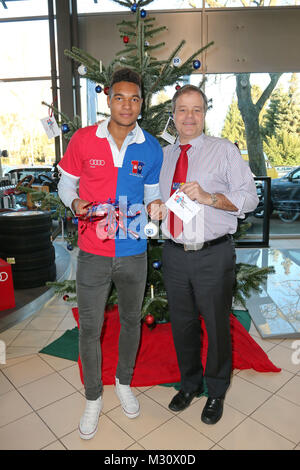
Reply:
x=129, y=402
x=88, y=424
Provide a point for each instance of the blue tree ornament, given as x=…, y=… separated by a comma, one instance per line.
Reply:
x=196, y=64
x=65, y=128
x=134, y=8
x=98, y=89
x=156, y=264
x=143, y=13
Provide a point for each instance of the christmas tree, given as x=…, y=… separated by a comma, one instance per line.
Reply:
x=138, y=36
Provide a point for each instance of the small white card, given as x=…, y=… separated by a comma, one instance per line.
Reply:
x=170, y=132
x=50, y=126
x=182, y=206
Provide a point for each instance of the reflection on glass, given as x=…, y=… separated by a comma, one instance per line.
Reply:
x=279, y=122
x=276, y=309
x=21, y=131
x=25, y=49
x=17, y=9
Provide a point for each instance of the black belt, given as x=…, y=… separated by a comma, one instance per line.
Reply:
x=200, y=246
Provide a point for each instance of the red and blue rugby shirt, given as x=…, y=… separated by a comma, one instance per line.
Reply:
x=89, y=158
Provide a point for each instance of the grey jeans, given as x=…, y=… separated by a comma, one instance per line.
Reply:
x=94, y=277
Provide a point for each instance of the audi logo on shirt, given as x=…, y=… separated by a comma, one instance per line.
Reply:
x=3, y=277
x=94, y=162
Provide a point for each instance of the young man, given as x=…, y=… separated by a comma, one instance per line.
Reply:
x=199, y=257
x=111, y=161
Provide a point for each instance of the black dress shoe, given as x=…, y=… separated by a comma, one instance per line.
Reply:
x=212, y=411
x=183, y=399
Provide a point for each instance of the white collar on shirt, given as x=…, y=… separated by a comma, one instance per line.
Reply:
x=194, y=142
x=136, y=135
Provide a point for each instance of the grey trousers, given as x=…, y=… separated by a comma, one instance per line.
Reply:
x=201, y=282
x=94, y=277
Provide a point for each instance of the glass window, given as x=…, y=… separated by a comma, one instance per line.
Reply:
x=88, y=6
x=248, y=3
x=25, y=49
x=21, y=132
x=279, y=123
x=296, y=174
x=17, y=8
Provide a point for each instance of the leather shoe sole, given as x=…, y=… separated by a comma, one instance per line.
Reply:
x=213, y=410
x=183, y=399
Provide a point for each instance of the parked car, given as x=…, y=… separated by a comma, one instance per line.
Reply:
x=285, y=196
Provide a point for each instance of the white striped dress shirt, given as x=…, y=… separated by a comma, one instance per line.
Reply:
x=216, y=164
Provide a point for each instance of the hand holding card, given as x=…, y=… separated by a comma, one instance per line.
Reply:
x=182, y=206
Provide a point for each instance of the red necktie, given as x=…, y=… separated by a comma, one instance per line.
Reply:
x=175, y=224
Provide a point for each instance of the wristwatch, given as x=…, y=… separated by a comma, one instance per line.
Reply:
x=214, y=199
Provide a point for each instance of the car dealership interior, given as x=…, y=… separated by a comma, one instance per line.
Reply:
x=57, y=58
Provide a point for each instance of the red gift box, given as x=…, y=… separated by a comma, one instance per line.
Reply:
x=7, y=296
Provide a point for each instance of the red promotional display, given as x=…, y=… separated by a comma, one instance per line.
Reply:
x=7, y=296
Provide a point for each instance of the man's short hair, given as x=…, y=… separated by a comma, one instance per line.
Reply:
x=188, y=89
x=125, y=75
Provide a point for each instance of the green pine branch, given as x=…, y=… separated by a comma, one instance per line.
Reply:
x=249, y=278
x=64, y=288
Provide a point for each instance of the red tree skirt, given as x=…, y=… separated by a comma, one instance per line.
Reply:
x=156, y=361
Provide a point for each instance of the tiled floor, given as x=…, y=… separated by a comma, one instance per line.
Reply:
x=42, y=399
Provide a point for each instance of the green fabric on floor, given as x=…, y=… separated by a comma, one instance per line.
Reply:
x=65, y=347
x=243, y=317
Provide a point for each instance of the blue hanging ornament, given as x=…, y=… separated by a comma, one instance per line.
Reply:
x=196, y=64
x=65, y=128
x=134, y=8
x=156, y=264
x=98, y=89
x=70, y=246
x=143, y=13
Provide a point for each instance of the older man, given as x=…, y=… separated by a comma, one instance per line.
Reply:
x=199, y=256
